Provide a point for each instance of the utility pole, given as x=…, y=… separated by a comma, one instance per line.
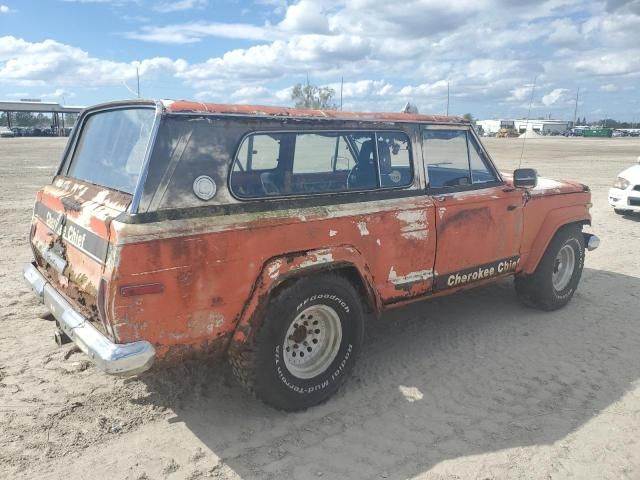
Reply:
x=447, y=99
x=138, y=80
x=575, y=111
x=341, y=86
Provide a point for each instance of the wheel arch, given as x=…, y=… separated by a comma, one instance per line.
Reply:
x=282, y=271
x=555, y=220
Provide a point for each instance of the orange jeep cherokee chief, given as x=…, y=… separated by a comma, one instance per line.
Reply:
x=267, y=234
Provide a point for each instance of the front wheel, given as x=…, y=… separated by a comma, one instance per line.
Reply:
x=620, y=211
x=306, y=345
x=556, y=278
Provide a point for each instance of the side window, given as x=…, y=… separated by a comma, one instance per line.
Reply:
x=280, y=164
x=480, y=170
x=314, y=164
x=447, y=158
x=314, y=152
x=259, y=152
x=395, y=159
x=343, y=160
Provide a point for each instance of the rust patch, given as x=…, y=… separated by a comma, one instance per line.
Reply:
x=481, y=215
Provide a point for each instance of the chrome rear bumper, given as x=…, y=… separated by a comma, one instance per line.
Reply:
x=113, y=358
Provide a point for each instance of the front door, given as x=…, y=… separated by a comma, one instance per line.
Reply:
x=478, y=216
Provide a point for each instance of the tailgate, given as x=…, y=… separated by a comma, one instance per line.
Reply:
x=70, y=237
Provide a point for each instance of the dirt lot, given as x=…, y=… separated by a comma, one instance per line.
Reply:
x=470, y=386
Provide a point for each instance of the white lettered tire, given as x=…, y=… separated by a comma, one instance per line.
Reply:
x=306, y=345
x=556, y=278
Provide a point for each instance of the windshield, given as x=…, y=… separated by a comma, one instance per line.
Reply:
x=112, y=147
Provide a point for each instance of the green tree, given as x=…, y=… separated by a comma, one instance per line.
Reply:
x=468, y=116
x=311, y=96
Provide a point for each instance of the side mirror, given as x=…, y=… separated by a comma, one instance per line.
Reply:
x=525, y=178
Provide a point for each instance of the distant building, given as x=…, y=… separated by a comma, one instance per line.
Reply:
x=542, y=127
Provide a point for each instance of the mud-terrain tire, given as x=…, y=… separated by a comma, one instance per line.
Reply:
x=556, y=278
x=621, y=211
x=320, y=317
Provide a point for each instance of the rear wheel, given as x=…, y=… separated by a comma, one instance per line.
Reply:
x=556, y=278
x=306, y=345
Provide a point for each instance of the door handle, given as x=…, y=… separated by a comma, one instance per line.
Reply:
x=512, y=207
x=441, y=198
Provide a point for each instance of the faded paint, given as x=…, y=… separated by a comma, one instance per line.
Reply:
x=415, y=224
x=411, y=277
x=182, y=106
x=274, y=269
x=362, y=227
x=318, y=258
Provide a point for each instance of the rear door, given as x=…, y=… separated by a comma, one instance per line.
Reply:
x=478, y=216
x=95, y=183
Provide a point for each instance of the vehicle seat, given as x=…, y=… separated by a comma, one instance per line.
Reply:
x=364, y=174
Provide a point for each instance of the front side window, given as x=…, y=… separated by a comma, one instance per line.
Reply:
x=111, y=148
x=455, y=161
x=320, y=162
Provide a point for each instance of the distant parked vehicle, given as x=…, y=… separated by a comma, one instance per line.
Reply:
x=624, y=196
x=507, y=133
x=6, y=133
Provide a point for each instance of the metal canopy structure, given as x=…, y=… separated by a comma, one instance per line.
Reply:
x=56, y=110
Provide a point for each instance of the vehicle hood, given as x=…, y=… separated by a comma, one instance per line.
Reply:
x=549, y=186
x=632, y=174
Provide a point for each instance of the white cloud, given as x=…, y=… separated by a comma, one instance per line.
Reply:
x=54, y=63
x=195, y=32
x=4, y=9
x=564, y=32
x=554, y=96
x=179, y=5
x=306, y=16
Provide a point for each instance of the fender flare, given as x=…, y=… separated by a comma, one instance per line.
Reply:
x=280, y=269
x=554, y=221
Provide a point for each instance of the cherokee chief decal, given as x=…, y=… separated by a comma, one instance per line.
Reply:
x=476, y=274
x=81, y=238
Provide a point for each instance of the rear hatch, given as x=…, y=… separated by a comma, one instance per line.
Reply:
x=96, y=182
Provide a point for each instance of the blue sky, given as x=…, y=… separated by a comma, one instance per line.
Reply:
x=252, y=51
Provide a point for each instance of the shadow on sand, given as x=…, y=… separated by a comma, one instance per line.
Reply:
x=463, y=375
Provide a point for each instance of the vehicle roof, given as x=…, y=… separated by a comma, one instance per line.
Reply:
x=185, y=106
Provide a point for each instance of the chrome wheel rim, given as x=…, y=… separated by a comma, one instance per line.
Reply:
x=312, y=341
x=563, y=267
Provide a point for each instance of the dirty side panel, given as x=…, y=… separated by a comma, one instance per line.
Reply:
x=477, y=228
x=209, y=266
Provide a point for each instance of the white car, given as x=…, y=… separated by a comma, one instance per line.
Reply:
x=624, y=196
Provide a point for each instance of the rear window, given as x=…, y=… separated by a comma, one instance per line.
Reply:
x=111, y=148
x=303, y=163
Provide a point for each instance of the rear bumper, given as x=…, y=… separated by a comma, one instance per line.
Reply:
x=113, y=358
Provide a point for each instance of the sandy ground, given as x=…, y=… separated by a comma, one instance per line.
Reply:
x=472, y=386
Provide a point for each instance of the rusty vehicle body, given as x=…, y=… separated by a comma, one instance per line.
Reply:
x=188, y=258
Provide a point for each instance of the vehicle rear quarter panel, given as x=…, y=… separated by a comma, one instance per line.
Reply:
x=210, y=267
